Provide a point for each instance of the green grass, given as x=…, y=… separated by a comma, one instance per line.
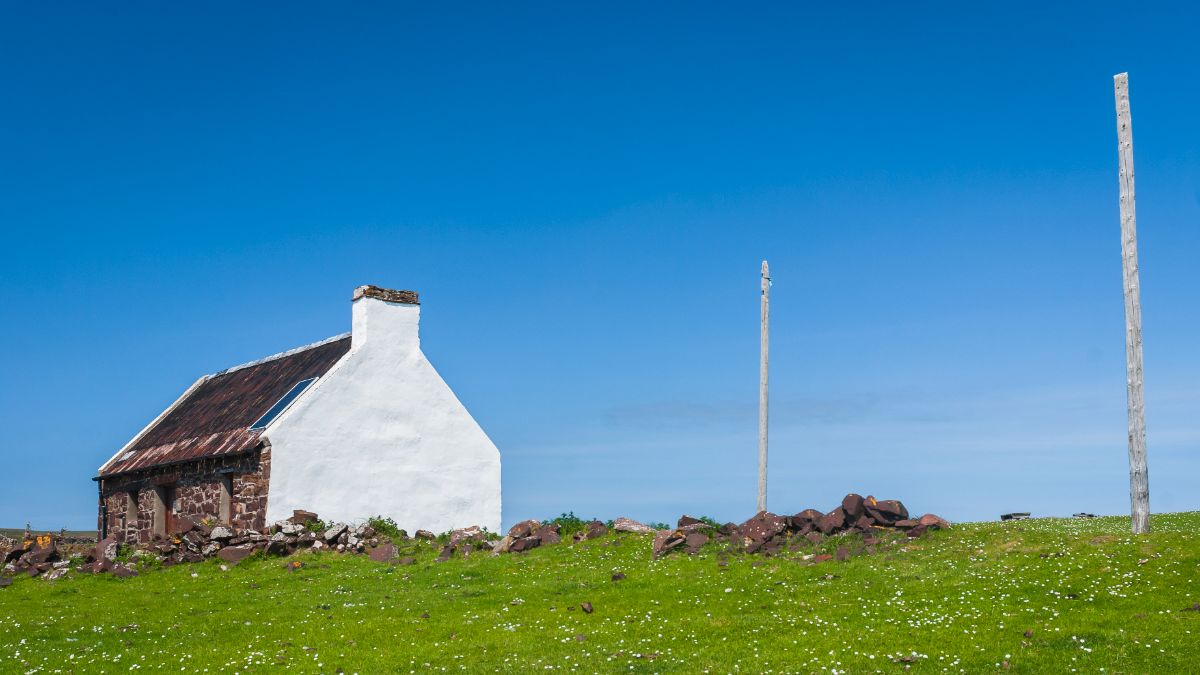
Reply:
x=1094, y=597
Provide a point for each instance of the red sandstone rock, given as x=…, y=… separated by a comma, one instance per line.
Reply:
x=235, y=554
x=853, y=505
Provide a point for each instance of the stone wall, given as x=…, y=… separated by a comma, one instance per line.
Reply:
x=197, y=487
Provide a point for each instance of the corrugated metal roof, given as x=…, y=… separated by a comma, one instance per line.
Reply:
x=214, y=416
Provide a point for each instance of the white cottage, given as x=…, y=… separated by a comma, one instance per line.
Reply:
x=354, y=426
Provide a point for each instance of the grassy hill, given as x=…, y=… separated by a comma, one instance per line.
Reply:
x=1033, y=596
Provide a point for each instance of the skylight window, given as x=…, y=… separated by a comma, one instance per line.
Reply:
x=282, y=405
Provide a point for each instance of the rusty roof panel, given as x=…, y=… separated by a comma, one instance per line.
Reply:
x=215, y=417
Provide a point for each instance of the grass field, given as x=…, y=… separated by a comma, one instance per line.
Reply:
x=1047, y=595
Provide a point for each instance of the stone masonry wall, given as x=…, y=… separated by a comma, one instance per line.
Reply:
x=197, y=493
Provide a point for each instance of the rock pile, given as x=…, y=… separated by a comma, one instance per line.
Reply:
x=192, y=541
x=45, y=556
x=768, y=533
x=530, y=534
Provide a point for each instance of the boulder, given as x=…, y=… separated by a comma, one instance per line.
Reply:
x=502, y=546
x=933, y=522
x=823, y=557
x=181, y=525
x=906, y=524
x=123, y=571
x=815, y=537
x=762, y=527
x=106, y=549
x=917, y=531
x=595, y=529
x=524, y=544
x=44, y=550
x=472, y=533
x=886, y=512
x=665, y=540
x=807, y=515
x=842, y=554
x=334, y=534
x=235, y=554
x=630, y=525
x=446, y=554
x=694, y=541
x=854, y=507
x=523, y=529
x=221, y=533
x=383, y=554
x=425, y=534
x=832, y=522
x=301, y=517
x=684, y=521
x=548, y=534
x=291, y=529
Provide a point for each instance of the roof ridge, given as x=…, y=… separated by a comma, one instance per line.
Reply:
x=280, y=355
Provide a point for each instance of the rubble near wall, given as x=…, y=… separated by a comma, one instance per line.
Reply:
x=765, y=534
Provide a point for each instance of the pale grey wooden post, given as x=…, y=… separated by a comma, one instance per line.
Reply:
x=764, y=345
x=1139, y=480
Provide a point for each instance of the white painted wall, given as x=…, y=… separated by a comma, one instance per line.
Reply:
x=382, y=434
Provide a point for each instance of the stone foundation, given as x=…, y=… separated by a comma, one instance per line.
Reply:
x=197, y=487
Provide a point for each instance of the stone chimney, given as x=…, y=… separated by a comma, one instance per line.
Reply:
x=382, y=317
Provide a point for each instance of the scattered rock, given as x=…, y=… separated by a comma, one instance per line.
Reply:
x=383, y=554
x=595, y=529
x=548, y=535
x=694, y=541
x=618, y=576
x=235, y=554
x=760, y=529
x=524, y=528
x=586, y=607
x=630, y=525
x=123, y=571
x=832, y=522
x=334, y=534
x=472, y=534
x=665, y=540
x=302, y=517
x=933, y=522
x=853, y=506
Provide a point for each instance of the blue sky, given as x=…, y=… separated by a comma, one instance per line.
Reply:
x=583, y=195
